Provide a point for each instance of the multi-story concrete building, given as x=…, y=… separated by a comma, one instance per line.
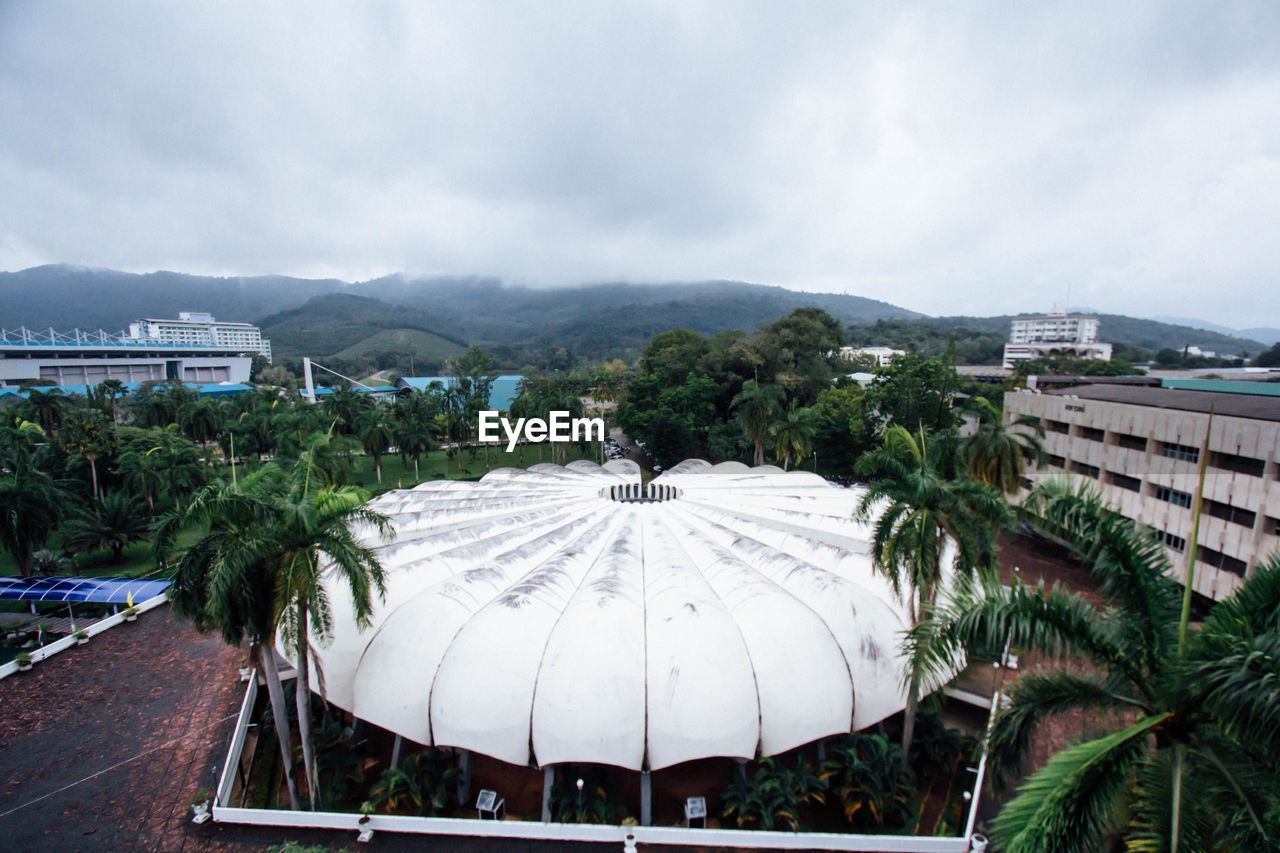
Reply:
x=1056, y=333
x=87, y=358
x=194, y=328
x=1142, y=447
x=883, y=356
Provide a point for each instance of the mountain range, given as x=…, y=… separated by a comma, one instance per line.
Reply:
x=435, y=317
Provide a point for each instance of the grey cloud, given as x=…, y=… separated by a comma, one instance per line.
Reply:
x=950, y=158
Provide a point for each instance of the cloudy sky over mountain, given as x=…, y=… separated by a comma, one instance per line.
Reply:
x=947, y=157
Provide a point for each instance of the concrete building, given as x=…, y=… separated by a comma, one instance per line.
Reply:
x=195, y=328
x=87, y=358
x=1055, y=333
x=1142, y=445
x=883, y=356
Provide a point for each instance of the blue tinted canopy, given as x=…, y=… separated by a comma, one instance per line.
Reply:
x=97, y=590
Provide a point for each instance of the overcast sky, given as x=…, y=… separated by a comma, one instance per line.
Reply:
x=947, y=157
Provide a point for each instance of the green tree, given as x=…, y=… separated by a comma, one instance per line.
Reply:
x=375, y=430
x=32, y=501
x=115, y=522
x=757, y=407
x=927, y=518
x=996, y=453
x=46, y=408
x=1191, y=763
x=841, y=429
x=201, y=420
x=87, y=434
x=792, y=434
x=913, y=392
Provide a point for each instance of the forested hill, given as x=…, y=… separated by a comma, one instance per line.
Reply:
x=384, y=319
x=1130, y=331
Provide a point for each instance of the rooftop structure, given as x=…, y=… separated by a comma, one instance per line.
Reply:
x=196, y=328
x=1055, y=333
x=1142, y=445
x=570, y=614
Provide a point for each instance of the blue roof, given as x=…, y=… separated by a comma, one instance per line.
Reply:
x=97, y=590
x=501, y=393
x=1224, y=386
x=204, y=389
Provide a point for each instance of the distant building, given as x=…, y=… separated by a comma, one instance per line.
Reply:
x=1141, y=445
x=1056, y=333
x=883, y=356
x=77, y=357
x=201, y=329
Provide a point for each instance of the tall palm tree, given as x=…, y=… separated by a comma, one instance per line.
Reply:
x=46, y=408
x=32, y=501
x=289, y=531
x=201, y=420
x=87, y=434
x=218, y=586
x=375, y=431
x=926, y=513
x=996, y=453
x=793, y=434
x=1194, y=759
x=416, y=431
x=757, y=406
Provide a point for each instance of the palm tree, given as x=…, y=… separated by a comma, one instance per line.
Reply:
x=87, y=433
x=46, y=408
x=1193, y=758
x=114, y=522
x=31, y=503
x=201, y=420
x=926, y=513
x=416, y=431
x=289, y=529
x=218, y=586
x=793, y=434
x=757, y=406
x=374, y=429
x=996, y=453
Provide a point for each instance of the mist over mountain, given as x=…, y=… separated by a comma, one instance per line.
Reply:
x=434, y=317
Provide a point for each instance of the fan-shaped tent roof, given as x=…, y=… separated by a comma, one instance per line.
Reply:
x=547, y=616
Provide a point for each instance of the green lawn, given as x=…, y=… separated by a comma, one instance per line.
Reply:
x=463, y=466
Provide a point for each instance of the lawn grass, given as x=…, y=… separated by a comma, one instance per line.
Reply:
x=465, y=465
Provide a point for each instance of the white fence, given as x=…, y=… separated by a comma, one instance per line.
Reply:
x=50, y=649
x=536, y=830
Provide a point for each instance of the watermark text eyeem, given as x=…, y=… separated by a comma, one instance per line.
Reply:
x=559, y=427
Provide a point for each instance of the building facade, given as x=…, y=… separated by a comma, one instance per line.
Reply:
x=883, y=356
x=198, y=329
x=1142, y=446
x=87, y=358
x=1055, y=333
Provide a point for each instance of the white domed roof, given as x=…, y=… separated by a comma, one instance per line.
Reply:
x=541, y=617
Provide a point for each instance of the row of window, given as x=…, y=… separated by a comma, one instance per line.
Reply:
x=1172, y=450
x=1217, y=559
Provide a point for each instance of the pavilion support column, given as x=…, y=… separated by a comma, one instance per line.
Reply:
x=646, y=798
x=396, y=749
x=464, y=776
x=548, y=780
x=822, y=750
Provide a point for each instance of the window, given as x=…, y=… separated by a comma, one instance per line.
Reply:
x=1239, y=464
x=1060, y=427
x=1227, y=512
x=1173, y=496
x=1273, y=526
x=1180, y=451
x=1057, y=461
x=1091, y=434
x=1131, y=483
x=1219, y=560
x=1177, y=543
x=1087, y=470
x=1131, y=442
